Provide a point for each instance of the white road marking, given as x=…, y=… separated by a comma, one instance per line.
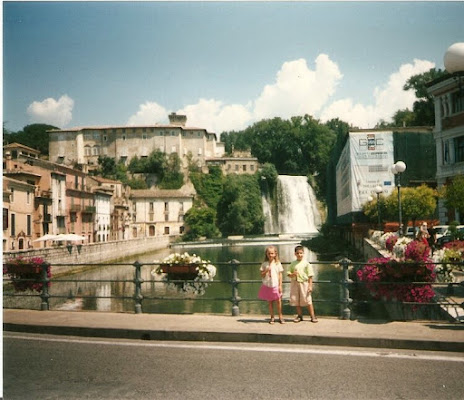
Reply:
x=265, y=349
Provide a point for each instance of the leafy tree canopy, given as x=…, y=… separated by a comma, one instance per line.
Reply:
x=453, y=194
x=34, y=135
x=240, y=209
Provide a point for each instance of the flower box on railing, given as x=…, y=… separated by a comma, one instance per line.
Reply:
x=23, y=268
x=179, y=268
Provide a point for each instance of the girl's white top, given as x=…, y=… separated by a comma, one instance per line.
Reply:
x=272, y=279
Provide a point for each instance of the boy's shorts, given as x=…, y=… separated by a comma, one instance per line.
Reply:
x=299, y=294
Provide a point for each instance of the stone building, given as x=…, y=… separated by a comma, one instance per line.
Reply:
x=238, y=163
x=83, y=146
x=448, y=93
x=18, y=214
x=160, y=212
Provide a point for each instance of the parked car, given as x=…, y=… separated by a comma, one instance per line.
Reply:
x=441, y=230
x=448, y=237
x=410, y=232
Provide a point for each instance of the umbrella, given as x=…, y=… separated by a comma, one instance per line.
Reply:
x=45, y=237
x=70, y=237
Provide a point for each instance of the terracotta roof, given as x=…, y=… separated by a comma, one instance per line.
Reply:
x=161, y=193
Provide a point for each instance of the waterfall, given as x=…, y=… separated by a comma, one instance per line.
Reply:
x=296, y=205
x=270, y=225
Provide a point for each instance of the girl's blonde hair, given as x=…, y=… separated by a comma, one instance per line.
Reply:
x=276, y=251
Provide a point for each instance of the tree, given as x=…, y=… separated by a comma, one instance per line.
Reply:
x=423, y=108
x=240, y=209
x=416, y=203
x=453, y=194
x=171, y=175
x=201, y=221
x=34, y=135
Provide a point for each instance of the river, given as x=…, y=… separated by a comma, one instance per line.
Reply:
x=79, y=295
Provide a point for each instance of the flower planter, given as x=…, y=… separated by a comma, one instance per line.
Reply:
x=179, y=269
x=24, y=268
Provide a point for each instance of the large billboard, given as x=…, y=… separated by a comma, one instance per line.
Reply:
x=365, y=163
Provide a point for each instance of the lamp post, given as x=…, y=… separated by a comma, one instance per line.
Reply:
x=398, y=168
x=378, y=190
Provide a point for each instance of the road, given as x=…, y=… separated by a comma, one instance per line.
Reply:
x=64, y=367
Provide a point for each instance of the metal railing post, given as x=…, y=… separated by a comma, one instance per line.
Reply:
x=44, y=295
x=138, y=297
x=345, y=311
x=234, y=282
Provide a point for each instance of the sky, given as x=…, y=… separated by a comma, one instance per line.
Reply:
x=226, y=65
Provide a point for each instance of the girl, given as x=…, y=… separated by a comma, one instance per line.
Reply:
x=271, y=289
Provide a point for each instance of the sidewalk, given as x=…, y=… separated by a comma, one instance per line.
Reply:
x=245, y=328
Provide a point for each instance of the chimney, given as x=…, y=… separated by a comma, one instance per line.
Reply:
x=179, y=120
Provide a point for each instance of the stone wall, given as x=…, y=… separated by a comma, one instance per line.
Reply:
x=94, y=252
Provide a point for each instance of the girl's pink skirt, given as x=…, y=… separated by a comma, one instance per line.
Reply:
x=269, y=293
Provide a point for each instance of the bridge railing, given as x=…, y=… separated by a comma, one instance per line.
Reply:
x=348, y=284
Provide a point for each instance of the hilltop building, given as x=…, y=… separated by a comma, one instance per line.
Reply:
x=83, y=146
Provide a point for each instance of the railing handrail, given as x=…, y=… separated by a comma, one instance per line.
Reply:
x=345, y=301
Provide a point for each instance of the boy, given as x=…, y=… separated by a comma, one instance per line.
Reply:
x=301, y=285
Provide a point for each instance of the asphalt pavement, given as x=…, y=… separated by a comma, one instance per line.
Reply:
x=420, y=335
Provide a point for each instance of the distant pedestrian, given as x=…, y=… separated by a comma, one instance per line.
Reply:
x=301, y=285
x=271, y=288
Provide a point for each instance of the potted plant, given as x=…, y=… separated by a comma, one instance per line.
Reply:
x=26, y=273
x=191, y=269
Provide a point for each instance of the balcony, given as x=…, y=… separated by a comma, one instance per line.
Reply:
x=43, y=193
x=75, y=208
x=89, y=209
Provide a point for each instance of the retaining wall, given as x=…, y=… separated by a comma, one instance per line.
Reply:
x=94, y=252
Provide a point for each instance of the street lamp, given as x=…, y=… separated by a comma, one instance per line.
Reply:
x=378, y=189
x=398, y=168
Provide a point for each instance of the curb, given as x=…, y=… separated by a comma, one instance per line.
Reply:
x=250, y=337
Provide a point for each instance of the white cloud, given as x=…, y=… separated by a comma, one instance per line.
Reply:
x=149, y=113
x=298, y=90
x=386, y=100
x=51, y=111
x=217, y=117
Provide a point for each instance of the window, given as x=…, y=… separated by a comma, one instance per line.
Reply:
x=123, y=137
x=13, y=224
x=28, y=225
x=151, y=230
x=104, y=138
x=252, y=167
x=12, y=194
x=144, y=136
x=457, y=101
x=152, y=206
x=73, y=217
x=446, y=152
x=166, y=230
x=5, y=219
x=28, y=197
x=244, y=167
x=459, y=149
x=87, y=150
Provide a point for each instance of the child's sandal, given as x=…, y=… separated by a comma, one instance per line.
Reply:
x=281, y=320
x=298, y=318
x=314, y=320
x=271, y=321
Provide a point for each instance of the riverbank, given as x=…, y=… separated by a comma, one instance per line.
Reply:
x=65, y=258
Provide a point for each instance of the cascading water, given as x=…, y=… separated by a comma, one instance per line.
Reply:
x=296, y=207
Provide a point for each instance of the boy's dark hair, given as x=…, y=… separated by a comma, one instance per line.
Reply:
x=299, y=247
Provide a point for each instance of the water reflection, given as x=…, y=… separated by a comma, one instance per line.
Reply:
x=118, y=282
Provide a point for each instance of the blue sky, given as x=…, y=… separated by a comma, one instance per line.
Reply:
x=224, y=64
